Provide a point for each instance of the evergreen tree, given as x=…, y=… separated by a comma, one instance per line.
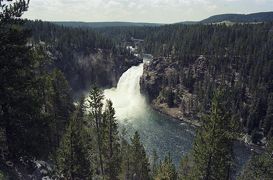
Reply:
x=166, y=170
x=12, y=9
x=126, y=167
x=139, y=161
x=95, y=105
x=111, y=146
x=72, y=156
x=212, y=151
x=260, y=166
x=20, y=98
x=61, y=105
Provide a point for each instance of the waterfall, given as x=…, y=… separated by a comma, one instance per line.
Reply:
x=158, y=132
x=127, y=99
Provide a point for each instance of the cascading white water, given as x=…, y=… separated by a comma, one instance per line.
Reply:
x=126, y=98
x=158, y=132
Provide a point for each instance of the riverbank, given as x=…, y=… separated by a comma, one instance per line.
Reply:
x=175, y=113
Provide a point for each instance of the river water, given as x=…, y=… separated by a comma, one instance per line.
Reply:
x=158, y=132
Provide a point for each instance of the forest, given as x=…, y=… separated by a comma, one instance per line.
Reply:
x=47, y=132
x=205, y=57
x=84, y=56
x=192, y=61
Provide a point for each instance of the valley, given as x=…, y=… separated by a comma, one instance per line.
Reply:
x=121, y=100
x=159, y=133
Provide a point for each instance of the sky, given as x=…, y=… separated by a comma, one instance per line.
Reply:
x=156, y=11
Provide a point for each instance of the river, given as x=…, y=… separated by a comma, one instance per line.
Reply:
x=158, y=132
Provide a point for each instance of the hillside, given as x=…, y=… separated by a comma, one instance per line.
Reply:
x=240, y=18
x=192, y=61
x=84, y=56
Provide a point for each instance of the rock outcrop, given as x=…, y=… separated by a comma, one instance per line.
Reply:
x=167, y=87
x=98, y=67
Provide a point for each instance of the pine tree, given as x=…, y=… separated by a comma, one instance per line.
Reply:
x=212, y=151
x=111, y=146
x=20, y=99
x=72, y=156
x=260, y=166
x=166, y=170
x=62, y=105
x=126, y=167
x=95, y=105
x=139, y=161
x=12, y=9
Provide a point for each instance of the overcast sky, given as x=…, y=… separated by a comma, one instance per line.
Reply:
x=159, y=11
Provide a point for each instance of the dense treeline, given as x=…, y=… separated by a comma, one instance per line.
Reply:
x=40, y=121
x=191, y=62
x=260, y=166
x=93, y=148
x=65, y=37
x=83, y=55
x=35, y=103
x=196, y=59
x=241, y=18
x=121, y=35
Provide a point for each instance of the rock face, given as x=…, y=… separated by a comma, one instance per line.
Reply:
x=98, y=67
x=151, y=80
x=168, y=86
x=85, y=57
x=182, y=87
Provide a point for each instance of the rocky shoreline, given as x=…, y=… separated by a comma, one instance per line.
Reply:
x=173, y=100
x=169, y=92
x=174, y=113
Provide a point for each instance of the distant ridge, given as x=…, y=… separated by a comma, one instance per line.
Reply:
x=233, y=18
x=103, y=24
x=189, y=22
x=240, y=18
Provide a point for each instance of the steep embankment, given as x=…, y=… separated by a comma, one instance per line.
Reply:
x=98, y=67
x=85, y=57
x=177, y=100
x=193, y=61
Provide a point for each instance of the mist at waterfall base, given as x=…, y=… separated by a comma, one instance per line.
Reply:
x=158, y=132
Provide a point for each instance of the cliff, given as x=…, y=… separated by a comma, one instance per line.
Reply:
x=98, y=67
x=84, y=56
x=165, y=83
